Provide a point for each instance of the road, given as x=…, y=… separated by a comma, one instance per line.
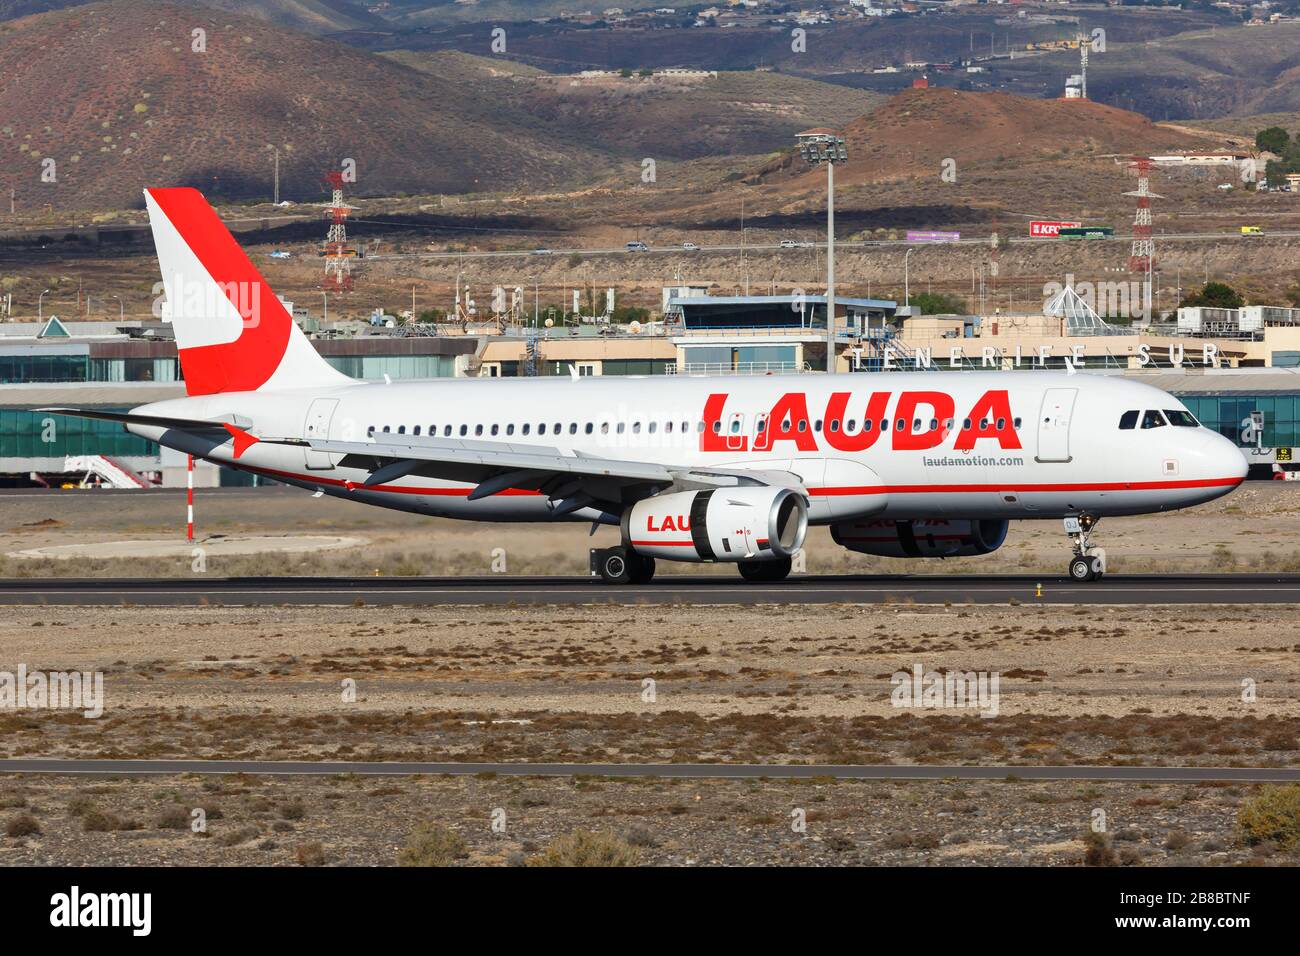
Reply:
x=1148, y=589
x=691, y=771
x=803, y=246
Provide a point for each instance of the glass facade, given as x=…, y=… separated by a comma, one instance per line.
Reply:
x=44, y=366
x=374, y=367
x=1227, y=414
x=29, y=434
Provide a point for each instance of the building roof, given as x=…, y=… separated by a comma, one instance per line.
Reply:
x=705, y=300
x=1222, y=381
x=80, y=394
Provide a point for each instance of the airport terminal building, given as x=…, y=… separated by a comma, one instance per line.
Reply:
x=1238, y=371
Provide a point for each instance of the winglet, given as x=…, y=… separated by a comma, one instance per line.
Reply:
x=243, y=440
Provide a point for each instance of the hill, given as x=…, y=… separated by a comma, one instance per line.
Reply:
x=115, y=95
x=731, y=113
x=309, y=16
x=914, y=132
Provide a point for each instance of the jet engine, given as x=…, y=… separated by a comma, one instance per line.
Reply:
x=718, y=524
x=925, y=538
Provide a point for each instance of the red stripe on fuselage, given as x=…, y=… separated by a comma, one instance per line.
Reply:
x=863, y=490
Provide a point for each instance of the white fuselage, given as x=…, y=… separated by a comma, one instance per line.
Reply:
x=1011, y=444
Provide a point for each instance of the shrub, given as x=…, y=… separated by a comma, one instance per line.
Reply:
x=293, y=811
x=584, y=848
x=432, y=845
x=22, y=825
x=310, y=854
x=1272, y=815
x=1099, y=850
x=174, y=818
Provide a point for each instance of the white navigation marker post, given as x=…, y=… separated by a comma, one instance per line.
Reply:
x=189, y=498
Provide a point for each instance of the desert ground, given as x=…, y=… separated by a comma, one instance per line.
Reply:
x=1102, y=685
x=1253, y=529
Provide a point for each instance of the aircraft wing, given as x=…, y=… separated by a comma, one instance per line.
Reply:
x=572, y=481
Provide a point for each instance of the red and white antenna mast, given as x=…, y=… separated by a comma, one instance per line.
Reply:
x=1142, y=256
x=338, y=254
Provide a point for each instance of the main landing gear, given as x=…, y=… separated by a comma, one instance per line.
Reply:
x=1088, y=563
x=621, y=566
x=760, y=571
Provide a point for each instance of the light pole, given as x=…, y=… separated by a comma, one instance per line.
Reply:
x=325, y=297
x=817, y=147
x=40, y=306
x=121, y=310
x=907, y=297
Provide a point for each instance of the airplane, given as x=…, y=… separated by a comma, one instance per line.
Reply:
x=926, y=464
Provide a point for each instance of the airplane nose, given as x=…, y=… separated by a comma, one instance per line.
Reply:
x=1230, y=459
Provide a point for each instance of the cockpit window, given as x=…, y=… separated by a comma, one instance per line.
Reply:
x=1128, y=420
x=1181, y=418
x=1153, y=419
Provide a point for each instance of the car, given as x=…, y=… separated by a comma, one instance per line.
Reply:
x=1252, y=230
x=690, y=247
x=543, y=252
x=788, y=244
x=636, y=245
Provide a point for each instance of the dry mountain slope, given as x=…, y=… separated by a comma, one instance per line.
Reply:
x=309, y=16
x=917, y=130
x=730, y=114
x=115, y=95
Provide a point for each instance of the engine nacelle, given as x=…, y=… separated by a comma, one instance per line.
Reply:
x=719, y=524
x=925, y=538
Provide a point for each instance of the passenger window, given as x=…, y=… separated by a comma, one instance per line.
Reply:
x=494, y=429
x=621, y=426
x=1002, y=423
x=934, y=424
x=1180, y=418
x=1015, y=423
x=1152, y=419
x=573, y=428
x=588, y=429
x=1128, y=420
x=386, y=429
x=636, y=427
x=761, y=425
x=478, y=429
x=817, y=425
x=446, y=430
x=899, y=425
x=370, y=430
x=464, y=429
x=526, y=428
x=510, y=429
x=803, y=425
x=668, y=427
x=965, y=424
x=835, y=424
x=415, y=430
x=541, y=428
x=851, y=425
x=717, y=428
x=916, y=424
x=866, y=424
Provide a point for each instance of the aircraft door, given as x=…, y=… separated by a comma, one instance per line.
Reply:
x=317, y=425
x=1054, y=425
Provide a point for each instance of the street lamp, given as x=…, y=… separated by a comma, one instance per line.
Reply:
x=40, y=308
x=121, y=310
x=907, y=297
x=818, y=146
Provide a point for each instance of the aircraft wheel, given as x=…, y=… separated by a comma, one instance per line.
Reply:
x=761, y=571
x=1094, y=563
x=1082, y=569
x=615, y=568
x=641, y=568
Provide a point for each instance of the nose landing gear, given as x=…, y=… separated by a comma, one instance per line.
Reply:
x=1088, y=563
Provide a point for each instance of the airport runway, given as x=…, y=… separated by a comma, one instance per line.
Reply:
x=690, y=771
x=1238, y=589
